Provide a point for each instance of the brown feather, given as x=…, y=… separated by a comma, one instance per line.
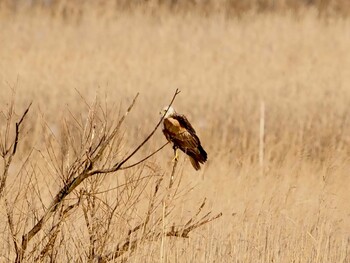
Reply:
x=194, y=163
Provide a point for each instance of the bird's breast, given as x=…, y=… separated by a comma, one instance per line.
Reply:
x=172, y=125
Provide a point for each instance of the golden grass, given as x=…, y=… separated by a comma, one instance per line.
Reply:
x=294, y=209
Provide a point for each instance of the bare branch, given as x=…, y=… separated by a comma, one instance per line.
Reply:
x=103, y=145
x=117, y=166
x=18, y=124
x=11, y=226
x=180, y=232
x=144, y=159
x=55, y=230
x=151, y=134
x=7, y=155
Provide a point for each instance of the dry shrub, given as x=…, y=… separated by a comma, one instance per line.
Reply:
x=136, y=210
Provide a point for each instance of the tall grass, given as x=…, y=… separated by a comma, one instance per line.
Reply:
x=229, y=8
x=295, y=209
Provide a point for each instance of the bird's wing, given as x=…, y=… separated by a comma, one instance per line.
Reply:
x=184, y=123
x=181, y=133
x=186, y=140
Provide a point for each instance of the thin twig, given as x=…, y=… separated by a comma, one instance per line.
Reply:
x=117, y=166
x=11, y=226
x=151, y=134
x=184, y=232
x=18, y=124
x=102, y=146
x=144, y=159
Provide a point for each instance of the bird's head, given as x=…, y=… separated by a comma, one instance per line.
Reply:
x=166, y=113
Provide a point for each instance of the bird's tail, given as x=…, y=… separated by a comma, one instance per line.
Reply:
x=202, y=154
x=195, y=163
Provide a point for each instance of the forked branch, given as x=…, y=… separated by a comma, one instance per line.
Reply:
x=8, y=153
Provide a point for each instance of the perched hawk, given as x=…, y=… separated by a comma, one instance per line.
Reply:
x=181, y=134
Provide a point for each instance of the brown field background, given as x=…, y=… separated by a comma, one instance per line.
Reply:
x=293, y=209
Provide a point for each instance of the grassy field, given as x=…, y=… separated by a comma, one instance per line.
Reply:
x=290, y=204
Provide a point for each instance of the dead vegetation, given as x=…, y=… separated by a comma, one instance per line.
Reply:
x=268, y=94
x=231, y=8
x=90, y=151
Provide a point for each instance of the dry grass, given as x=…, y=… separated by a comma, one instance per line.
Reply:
x=228, y=8
x=293, y=209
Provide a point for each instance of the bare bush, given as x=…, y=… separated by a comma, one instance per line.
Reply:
x=139, y=207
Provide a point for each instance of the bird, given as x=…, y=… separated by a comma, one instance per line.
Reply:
x=179, y=131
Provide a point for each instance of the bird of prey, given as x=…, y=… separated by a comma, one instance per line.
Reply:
x=179, y=131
